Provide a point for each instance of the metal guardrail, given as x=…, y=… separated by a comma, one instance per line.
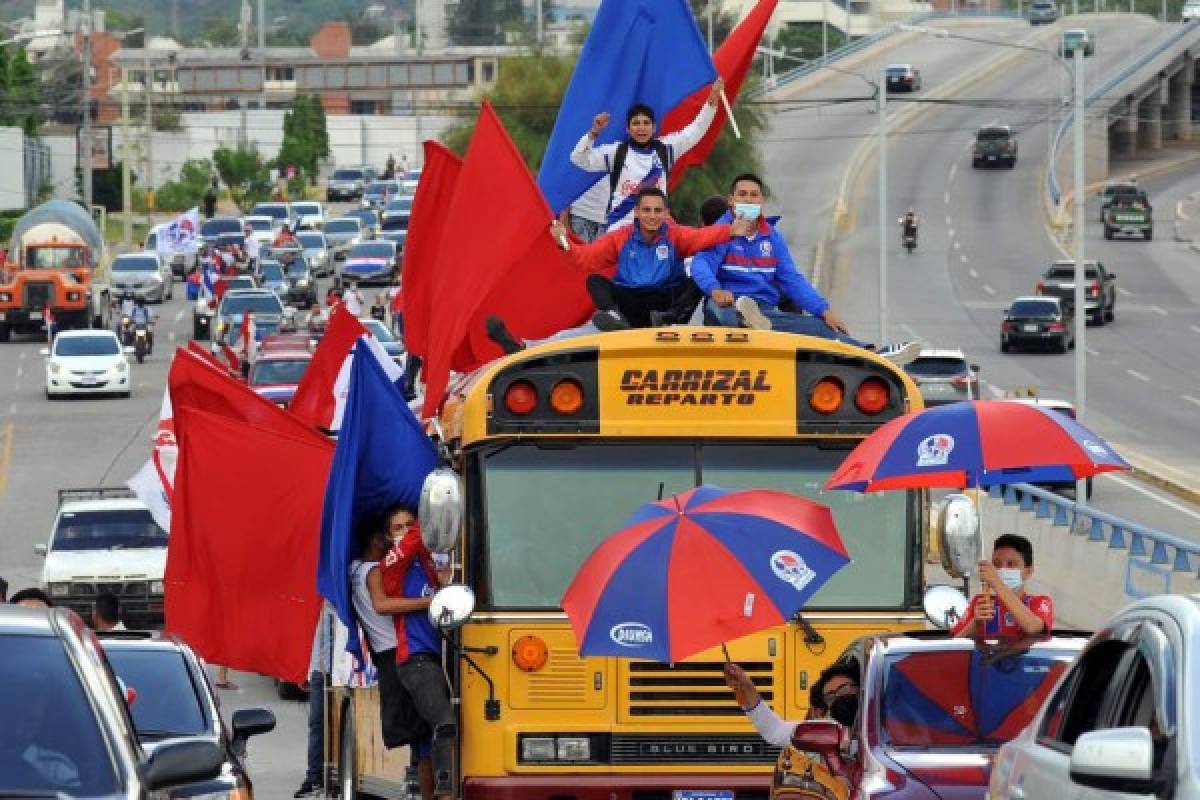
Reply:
x=1052, y=185
x=1103, y=528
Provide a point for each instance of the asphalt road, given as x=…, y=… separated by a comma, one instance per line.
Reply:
x=984, y=242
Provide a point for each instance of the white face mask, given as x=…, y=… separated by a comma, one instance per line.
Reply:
x=1011, y=578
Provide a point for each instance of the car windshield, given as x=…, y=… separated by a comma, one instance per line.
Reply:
x=48, y=719
x=383, y=187
x=90, y=345
x=267, y=372
x=275, y=212
x=373, y=250
x=167, y=701
x=262, y=329
x=366, y=216
x=378, y=330
x=1033, y=308
x=936, y=367
x=241, y=282
x=215, y=227
x=1074, y=36
x=991, y=135
x=895, y=72
x=347, y=175
x=51, y=257
x=272, y=273
x=260, y=224
x=135, y=264
x=553, y=505
x=306, y=208
x=254, y=303
x=311, y=241
x=402, y=204
x=1068, y=273
x=110, y=529
x=343, y=226
x=950, y=699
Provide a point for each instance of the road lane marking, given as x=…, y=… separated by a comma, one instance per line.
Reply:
x=963, y=258
x=1124, y=291
x=989, y=289
x=973, y=273
x=957, y=246
x=949, y=222
x=1091, y=352
x=6, y=443
x=1159, y=310
x=1138, y=375
x=20, y=371
x=1194, y=328
x=1153, y=495
x=953, y=169
x=171, y=336
x=179, y=316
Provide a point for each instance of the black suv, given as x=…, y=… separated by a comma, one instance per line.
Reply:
x=65, y=730
x=175, y=702
x=994, y=144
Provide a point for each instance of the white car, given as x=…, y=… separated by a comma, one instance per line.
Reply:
x=145, y=275
x=262, y=228
x=1119, y=724
x=87, y=362
x=1191, y=11
x=105, y=540
x=309, y=214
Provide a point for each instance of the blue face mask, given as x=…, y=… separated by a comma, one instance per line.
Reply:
x=749, y=211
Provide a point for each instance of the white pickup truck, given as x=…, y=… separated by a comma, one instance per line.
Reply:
x=105, y=540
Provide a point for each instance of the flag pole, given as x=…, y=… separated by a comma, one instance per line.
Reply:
x=729, y=114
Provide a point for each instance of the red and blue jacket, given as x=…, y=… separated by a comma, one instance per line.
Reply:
x=654, y=263
x=760, y=267
x=408, y=571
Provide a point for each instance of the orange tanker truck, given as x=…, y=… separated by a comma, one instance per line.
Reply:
x=55, y=265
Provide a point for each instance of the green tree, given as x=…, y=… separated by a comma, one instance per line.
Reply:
x=529, y=90
x=305, y=136
x=243, y=171
x=20, y=94
x=220, y=31
x=188, y=189
x=119, y=21
x=803, y=40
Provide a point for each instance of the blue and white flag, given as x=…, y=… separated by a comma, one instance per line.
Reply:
x=638, y=51
x=180, y=234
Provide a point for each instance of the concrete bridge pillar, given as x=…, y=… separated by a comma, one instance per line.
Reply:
x=1124, y=131
x=1179, y=102
x=1150, y=121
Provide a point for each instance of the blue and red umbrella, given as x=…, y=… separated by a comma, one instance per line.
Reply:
x=975, y=444
x=700, y=569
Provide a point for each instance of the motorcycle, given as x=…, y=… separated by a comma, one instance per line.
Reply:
x=142, y=343
x=125, y=331
x=910, y=240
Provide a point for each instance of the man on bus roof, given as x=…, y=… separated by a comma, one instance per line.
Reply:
x=747, y=278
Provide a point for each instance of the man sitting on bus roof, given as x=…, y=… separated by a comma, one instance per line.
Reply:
x=747, y=278
x=650, y=286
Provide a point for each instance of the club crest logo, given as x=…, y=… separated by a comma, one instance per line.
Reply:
x=661, y=252
x=934, y=451
x=764, y=247
x=790, y=568
x=631, y=634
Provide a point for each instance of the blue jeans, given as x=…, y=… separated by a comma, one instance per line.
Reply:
x=783, y=321
x=316, y=728
x=585, y=228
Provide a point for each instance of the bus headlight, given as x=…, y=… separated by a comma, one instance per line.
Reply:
x=574, y=748
x=60, y=589
x=156, y=587
x=538, y=748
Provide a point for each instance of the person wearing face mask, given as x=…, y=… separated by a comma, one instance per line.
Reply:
x=1004, y=609
x=747, y=279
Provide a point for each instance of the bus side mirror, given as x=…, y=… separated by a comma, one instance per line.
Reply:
x=959, y=535
x=944, y=606
x=451, y=606
x=441, y=510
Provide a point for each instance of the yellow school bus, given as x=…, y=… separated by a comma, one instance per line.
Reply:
x=557, y=446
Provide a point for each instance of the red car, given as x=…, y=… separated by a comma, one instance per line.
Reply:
x=275, y=374
x=933, y=710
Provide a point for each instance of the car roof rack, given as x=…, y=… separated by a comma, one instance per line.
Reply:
x=94, y=493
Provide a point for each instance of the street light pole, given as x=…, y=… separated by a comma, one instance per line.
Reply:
x=884, y=226
x=87, y=106
x=126, y=180
x=1080, y=268
x=148, y=91
x=710, y=25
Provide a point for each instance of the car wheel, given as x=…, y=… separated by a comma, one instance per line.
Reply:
x=1111, y=313
x=5, y=333
x=1149, y=235
x=126, y=395
x=975, y=163
x=49, y=396
x=1098, y=317
x=1061, y=345
x=1004, y=346
x=1012, y=162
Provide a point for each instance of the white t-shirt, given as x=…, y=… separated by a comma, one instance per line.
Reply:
x=641, y=169
x=381, y=632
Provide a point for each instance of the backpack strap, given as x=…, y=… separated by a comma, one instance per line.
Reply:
x=664, y=155
x=615, y=170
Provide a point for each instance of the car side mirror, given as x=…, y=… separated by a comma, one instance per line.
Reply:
x=176, y=763
x=819, y=736
x=1119, y=760
x=247, y=722
x=41, y=549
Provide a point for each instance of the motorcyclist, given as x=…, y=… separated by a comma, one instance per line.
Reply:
x=126, y=310
x=908, y=224
x=143, y=315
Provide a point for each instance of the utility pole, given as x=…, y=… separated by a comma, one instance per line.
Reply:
x=262, y=51
x=884, y=224
x=126, y=181
x=244, y=42
x=148, y=91
x=537, y=7
x=824, y=31
x=87, y=106
x=1080, y=269
x=710, y=25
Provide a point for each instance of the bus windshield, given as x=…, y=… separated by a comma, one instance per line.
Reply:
x=552, y=505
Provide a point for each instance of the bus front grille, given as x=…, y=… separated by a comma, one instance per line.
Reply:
x=690, y=689
x=666, y=748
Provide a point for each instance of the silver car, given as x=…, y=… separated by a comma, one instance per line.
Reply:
x=309, y=214
x=316, y=252
x=1043, y=12
x=1119, y=724
x=180, y=261
x=143, y=275
x=342, y=234
x=944, y=376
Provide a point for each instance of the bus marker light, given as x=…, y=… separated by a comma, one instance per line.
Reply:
x=520, y=397
x=872, y=396
x=529, y=653
x=826, y=397
x=666, y=336
x=566, y=397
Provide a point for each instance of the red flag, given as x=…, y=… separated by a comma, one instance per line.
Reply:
x=314, y=402
x=503, y=228
x=242, y=558
x=233, y=363
x=426, y=228
x=732, y=60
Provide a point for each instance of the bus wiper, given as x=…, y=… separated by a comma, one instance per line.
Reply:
x=811, y=636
